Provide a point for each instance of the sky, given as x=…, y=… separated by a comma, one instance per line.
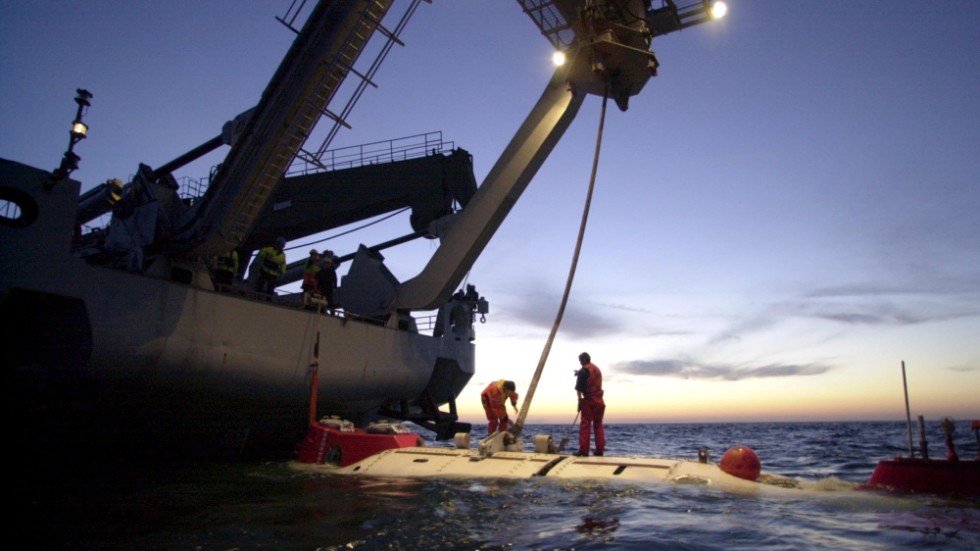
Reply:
x=783, y=216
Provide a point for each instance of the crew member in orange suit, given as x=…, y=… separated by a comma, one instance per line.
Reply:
x=494, y=399
x=588, y=385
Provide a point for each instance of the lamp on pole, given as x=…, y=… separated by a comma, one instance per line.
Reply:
x=77, y=133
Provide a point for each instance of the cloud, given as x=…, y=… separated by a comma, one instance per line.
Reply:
x=908, y=283
x=582, y=319
x=578, y=321
x=885, y=311
x=875, y=313
x=688, y=369
x=964, y=368
x=851, y=307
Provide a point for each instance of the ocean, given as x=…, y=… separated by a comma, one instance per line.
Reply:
x=275, y=505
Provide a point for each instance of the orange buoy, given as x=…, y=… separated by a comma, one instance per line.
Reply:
x=742, y=462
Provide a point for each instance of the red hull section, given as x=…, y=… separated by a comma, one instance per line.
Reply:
x=343, y=447
x=928, y=476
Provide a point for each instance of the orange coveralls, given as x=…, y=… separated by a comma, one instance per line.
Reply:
x=494, y=399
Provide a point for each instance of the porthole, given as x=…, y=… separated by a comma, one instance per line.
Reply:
x=17, y=209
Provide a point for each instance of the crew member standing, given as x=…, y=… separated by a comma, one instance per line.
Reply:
x=310, y=270
x=588, y=385
x=327, y=279
x=494, y=399
x=225, y=269
x=272, y=264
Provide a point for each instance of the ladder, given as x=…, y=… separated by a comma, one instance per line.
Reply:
x=296, y=98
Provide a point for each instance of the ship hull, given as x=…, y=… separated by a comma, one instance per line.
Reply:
x=147, y=363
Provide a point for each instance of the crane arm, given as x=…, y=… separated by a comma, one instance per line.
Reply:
x=608, y=46
x=609, y=55
x=470, y=230
x=309, y=76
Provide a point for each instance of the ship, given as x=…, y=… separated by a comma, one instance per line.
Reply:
x=120, y=340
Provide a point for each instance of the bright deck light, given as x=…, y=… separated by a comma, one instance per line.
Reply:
x=558, y=58
x=79, y=128
x=718, y=10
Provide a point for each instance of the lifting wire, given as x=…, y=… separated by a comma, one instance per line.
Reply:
x=315, y=367
x=526, y=405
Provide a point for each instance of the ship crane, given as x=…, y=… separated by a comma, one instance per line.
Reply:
x=139, y=335
x=607, y=45
x=264, y=140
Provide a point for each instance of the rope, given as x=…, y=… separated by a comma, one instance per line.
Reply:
x=526, y=405
x=315, y=368
x=352, y=230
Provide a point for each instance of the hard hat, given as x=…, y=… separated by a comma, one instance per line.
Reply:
x=280, y=240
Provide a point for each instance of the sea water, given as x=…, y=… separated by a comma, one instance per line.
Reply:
x=274, y=505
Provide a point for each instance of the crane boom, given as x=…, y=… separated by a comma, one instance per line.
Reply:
x=470, y=230
x=608, y=45
x=310, y=74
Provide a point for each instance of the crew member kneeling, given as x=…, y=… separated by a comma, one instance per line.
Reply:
x=494, y=399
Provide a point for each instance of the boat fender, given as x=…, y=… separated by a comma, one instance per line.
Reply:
x=462, y=440
x=742, y=462
x=543, y=443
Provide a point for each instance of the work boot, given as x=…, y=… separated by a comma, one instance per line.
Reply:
x=597, y=453
x=581, y=454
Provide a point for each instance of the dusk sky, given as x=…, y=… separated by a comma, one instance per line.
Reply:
x=784, y=215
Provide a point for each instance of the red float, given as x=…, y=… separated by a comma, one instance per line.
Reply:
x=742, y=462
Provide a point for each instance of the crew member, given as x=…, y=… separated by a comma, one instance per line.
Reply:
x=272, y=264
x=588, y=385
x=311, y=285
x=460, y=315
x=494, y=399
x=225, y=268
x=327, y=278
